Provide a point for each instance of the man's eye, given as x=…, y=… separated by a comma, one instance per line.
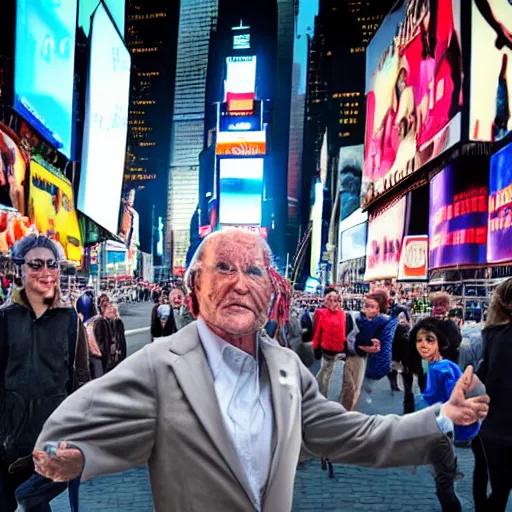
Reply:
x=224, y=267
x=254, y=271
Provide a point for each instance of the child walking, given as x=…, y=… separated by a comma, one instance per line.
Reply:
x=427, y=341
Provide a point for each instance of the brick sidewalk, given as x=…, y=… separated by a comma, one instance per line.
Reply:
x=352, y=489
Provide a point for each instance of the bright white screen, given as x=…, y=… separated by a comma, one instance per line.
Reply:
x=241, y=188
x=106, y=122
x=241, y=74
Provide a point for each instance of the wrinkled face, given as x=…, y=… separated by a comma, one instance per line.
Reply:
x=332, y=301
x=371, y=308
x=440, y=308
x=427, y=345
x=41, y=272
x=232, y=285
x=177, y=298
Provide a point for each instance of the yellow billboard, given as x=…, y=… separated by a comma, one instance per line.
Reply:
x=52, y=209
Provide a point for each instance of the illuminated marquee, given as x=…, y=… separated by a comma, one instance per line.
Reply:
x=240, y=102
x=241, y=144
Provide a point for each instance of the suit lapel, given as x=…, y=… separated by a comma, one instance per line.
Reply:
x=283, y=381
x=195, y=378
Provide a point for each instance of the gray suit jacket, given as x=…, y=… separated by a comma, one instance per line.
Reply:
x=159, y=407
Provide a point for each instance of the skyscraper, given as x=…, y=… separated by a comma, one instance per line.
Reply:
x=151, y=36
x=197, y=18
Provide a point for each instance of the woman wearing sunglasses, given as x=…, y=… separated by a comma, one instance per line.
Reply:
x=43, y=358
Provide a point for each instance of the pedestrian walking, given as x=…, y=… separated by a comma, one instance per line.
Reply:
x=494, y=448
x=428, y=338
x=162, y=322
x=43, y=359
x=331, y=327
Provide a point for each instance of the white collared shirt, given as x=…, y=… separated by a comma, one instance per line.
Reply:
x=245, y=402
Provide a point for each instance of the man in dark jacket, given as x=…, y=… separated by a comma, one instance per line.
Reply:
x=43, y=358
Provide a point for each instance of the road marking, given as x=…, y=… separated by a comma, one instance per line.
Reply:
x=133, y=332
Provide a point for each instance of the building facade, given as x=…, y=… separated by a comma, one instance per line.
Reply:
x=151, y=35
x=197, y=18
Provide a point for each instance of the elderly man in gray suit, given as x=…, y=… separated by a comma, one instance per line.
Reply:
x=220, y=412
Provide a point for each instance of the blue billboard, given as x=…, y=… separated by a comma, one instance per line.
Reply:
x=44, y=68
x=241, y=190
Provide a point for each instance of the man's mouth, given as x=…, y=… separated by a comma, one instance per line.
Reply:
x=237, y=305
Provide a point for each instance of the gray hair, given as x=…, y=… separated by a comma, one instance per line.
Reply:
x=29, y=242
x=195, y=264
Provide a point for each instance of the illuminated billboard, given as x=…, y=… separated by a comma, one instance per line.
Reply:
x=241, y=143
x=44, y=68
x=240, y=121
x=352, y=236
x=384, y=245
x=240, y=74
x=499, y=236
x=52, y=208
x=106, y=123
x=458, y=217
x=491, y=70
x=241, y=41
x=240, y=191
x=86, y=9
x=414, y=80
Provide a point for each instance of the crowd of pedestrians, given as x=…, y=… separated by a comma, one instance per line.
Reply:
x=50, y=348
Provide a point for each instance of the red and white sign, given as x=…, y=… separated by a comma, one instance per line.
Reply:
x=241, y=143
x=414, y=259
x=385, y=236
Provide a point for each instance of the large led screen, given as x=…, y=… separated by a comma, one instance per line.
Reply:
x=52, y=208
x=44, y=68
x=384, y=245
x=499, y=235
x=86, y=9
x=458, y=217
x=352, y=236
x=491, y=70
x=106, y=121
x=241, y=190
x=414, y=91
x=240, y=74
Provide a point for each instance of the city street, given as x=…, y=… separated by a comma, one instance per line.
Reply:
x=353, y=488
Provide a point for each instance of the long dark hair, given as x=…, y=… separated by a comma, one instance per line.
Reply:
x=430, y=324
x=500, y=309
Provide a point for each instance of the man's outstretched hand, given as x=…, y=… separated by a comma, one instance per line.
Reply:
x=462, y=410
x=66, y=464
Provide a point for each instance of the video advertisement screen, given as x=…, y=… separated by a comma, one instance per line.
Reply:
x=106, y=123
x=491, y=70
x=241, y=190
x=44, y=68
x=414, y=79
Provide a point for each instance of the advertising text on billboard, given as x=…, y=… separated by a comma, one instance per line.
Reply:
x=241, y=143
x=458, y=218
x=414, y=259
x=385, y=236
x=414, y=92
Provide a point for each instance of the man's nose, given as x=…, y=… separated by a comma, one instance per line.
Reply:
x=240, y=283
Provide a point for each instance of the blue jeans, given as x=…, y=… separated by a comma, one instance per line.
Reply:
x=36, y=493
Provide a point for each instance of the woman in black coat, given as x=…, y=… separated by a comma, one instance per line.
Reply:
x=493, y=448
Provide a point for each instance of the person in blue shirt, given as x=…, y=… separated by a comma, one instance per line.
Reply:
x=427, y=341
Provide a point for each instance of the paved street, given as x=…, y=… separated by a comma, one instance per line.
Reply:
x=352, y=489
